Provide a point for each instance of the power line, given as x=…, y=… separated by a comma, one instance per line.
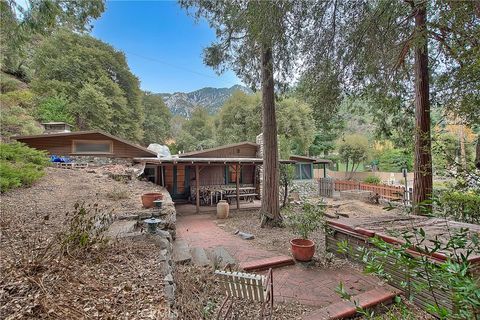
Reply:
x=171, y=65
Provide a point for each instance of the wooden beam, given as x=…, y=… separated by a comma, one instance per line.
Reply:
x=237, y=170
x=197, y=188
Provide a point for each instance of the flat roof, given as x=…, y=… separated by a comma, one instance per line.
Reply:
x=226, y=146
x=205, y=160
x=310, y=159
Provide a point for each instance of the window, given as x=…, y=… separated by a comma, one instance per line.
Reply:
x=303, y=171
x=150, y=174
x=92, y=146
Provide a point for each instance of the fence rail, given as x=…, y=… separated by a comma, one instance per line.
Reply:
x=387, y=192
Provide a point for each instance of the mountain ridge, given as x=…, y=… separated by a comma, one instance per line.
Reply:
x=210, y=98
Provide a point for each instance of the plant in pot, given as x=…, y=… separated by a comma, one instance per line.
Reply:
x=303, y=224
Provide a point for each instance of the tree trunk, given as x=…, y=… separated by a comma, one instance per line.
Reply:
x=477, y=157
x=422, y=186
x=270, y=193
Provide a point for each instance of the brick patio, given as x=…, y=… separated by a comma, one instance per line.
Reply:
x=296, y=283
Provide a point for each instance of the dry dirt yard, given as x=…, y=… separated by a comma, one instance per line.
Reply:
x=39, y=280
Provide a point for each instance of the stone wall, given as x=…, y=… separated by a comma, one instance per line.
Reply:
x=305, y=189
x=94, y=161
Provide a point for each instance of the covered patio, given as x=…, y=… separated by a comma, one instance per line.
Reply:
x=203, y=182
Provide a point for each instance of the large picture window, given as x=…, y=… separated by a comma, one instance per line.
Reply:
x=92, y=146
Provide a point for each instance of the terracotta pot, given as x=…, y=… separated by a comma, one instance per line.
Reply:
x=148, y=198
x=223, y=209
x=302, y=249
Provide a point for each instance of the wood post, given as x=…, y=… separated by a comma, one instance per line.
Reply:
x=237, y=170
x=197, y=188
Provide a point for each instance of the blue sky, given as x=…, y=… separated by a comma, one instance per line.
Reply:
x=163, y=45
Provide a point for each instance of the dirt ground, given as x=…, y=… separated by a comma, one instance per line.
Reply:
x=39, y=280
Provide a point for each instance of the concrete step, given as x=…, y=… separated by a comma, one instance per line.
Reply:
x=199, y=257
x=181, y=252
x=372, y=299
x=267, y=263
x=221, y=258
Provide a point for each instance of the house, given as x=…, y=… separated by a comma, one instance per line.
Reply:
x=230, y=171
x=95, y=143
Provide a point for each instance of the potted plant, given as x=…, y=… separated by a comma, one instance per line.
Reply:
x=148, y=198
x=304, y=223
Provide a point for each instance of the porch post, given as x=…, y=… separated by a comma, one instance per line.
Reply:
x=197, y=188
x=237, y=169
x=324, y=170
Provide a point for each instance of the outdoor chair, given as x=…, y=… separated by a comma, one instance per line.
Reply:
x=246, y=286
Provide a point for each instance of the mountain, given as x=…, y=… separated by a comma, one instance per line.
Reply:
x=212, y=99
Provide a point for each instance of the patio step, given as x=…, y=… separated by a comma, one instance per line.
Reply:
x=372, y=299
x=267, y=263
x=221, y=258
x=199, y=257
x=181, y=252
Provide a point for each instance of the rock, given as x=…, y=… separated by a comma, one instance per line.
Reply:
x=199, y=257
x=121, y=228
x=246, y=236
x=168, y=278
x=181, y=252
x=221, y=258
x=170, y=292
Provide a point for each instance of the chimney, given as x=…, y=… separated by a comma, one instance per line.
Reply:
x=56, y=127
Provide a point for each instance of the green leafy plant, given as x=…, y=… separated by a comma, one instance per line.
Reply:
x=20, y=165
x=461, y=206
x=307, y=221
x=372, y=180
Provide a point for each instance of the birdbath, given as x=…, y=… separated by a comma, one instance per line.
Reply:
x=152, y=224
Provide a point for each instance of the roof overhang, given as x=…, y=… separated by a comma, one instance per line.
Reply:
x=204, y=160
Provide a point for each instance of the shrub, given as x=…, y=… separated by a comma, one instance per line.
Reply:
x=393, y=160
x=305, y=222
x=372, y=180
x=462, y=206
x=20, y=165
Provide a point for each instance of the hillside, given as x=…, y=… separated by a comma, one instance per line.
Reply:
x=212, y=99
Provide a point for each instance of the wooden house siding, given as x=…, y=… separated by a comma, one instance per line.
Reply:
x=62, y=145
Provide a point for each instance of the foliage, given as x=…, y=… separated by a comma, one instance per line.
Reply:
x=295, y=122
x=307, y=221
x=20, y=165
x=53, y=109
x=16, y=114
x=157, y=119
x=393, y=160
x=86, y=227
x=26, y=24
x=352, y=149
x=95, y=80
x=372, y=180
x=323, y=143
x=461, y=206
x=196, y=133
x=239, y=119
x=287, y=174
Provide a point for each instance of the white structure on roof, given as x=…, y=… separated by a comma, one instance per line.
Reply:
x=162, y=150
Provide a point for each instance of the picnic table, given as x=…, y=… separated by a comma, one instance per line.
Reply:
x=228, y=192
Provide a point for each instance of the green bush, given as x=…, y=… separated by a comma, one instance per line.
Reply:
x=462, y=206
x=393, y=160
x=372, y=180
x=305, y=222
x=20, y=165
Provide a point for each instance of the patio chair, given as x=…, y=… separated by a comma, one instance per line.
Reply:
x=246, y=286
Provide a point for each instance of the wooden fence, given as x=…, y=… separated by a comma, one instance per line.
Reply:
x=325, y=186
x=387, y=192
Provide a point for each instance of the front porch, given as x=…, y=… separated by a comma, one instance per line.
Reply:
x=186, y=209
